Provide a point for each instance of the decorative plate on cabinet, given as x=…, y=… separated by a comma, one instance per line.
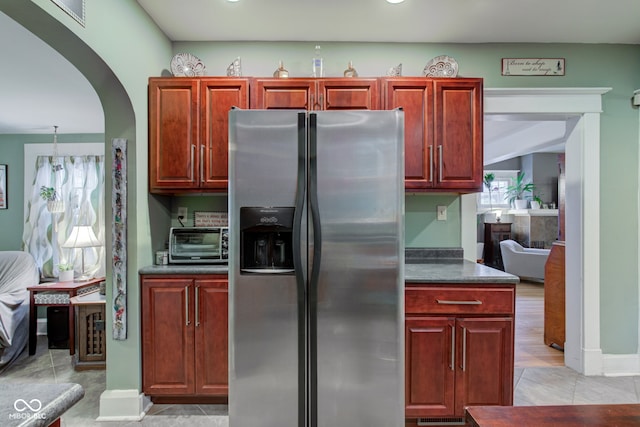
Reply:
x=187, y=65
x=441, y=66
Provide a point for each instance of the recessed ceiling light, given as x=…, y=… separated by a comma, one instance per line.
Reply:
x=233, y=1
x=394, y=1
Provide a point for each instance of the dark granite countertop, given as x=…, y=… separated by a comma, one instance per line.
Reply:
x=34, y=404
x=185, y=269
x=446, y=265
x=422, y=265
x=455, y=271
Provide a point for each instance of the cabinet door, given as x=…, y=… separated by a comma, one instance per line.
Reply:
x=211, y=326
x=415, y=97
x=167, y=336
x=485, y=362
x=429, y=366
x=458, y=137
x=296, y=94
x=218, y=96
x=173, y=134
x=348, y=94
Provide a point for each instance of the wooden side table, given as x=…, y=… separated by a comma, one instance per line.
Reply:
x=90, y=328
x=60, y=294
x=494, y=233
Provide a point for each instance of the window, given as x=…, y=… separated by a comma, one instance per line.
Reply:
x=496, y=197
x=79, y=184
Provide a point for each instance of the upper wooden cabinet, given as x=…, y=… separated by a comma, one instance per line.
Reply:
x=188, y=132
x=188, y=125
x=443, y=131
x=315, y=94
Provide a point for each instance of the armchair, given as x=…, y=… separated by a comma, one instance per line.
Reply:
x=18, y=271
x=523, y=262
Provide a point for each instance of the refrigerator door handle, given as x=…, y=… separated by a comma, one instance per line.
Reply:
x=298, y=267
x=315, y=269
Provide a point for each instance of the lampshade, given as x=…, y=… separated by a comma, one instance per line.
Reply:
x=82, y=236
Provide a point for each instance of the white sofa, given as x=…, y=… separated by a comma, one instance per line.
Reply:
x=523, y=262
x=18, y=270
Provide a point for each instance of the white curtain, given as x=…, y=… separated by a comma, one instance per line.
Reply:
x=79, y=183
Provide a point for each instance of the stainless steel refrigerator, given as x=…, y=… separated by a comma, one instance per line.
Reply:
x=316, y=326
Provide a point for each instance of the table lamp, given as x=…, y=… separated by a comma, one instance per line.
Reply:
x=82, y=236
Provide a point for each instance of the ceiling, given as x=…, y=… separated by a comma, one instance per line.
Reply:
x=32, y=105
x=433, y=21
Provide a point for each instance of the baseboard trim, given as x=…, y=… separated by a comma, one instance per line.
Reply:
x=123, y=405
x=620, y=365
x=593, y=362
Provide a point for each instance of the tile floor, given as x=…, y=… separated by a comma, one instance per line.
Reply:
x=533, y=386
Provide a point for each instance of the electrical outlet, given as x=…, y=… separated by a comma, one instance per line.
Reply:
x=182, y=212
x=442, y=213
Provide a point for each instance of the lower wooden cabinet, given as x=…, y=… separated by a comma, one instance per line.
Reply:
x=184, y=335
x=458, y=348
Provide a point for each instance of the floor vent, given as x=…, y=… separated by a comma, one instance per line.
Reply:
x=442, y=421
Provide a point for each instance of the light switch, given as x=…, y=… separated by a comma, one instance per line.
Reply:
x=182, y=212
x=442, y=213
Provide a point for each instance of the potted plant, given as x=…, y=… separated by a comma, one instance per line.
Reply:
x=50, y=195
x=516, y=192
x=65, y=272
x=488, y=180
x=536, y=200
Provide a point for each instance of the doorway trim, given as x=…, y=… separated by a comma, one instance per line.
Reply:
x=582, y=347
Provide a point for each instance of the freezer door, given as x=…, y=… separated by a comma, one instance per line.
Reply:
x=360, y=283
x=264, y=329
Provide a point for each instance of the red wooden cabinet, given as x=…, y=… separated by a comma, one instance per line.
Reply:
x=184, y=335
x=315, y=94
x=217, y=97
x=484, y=370
x=415, y=97
x=188, y=132
x=443, y=131
x=188, y=125
x=458, y=134
x=430, y=381
x=211, y=336
x=458, y=348
x=174, y=133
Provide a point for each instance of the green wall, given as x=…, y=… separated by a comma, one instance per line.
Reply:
x=12, y=154
x=422, y=229
x=126, y=48
x=587, y=65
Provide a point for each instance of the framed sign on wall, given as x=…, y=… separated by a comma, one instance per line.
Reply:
x=533, y=67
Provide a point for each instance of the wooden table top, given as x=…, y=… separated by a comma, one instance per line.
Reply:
x=64, y=286
x=89, y=298
x=619, y=415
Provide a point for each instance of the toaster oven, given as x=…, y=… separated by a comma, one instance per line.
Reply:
x=198, y=245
